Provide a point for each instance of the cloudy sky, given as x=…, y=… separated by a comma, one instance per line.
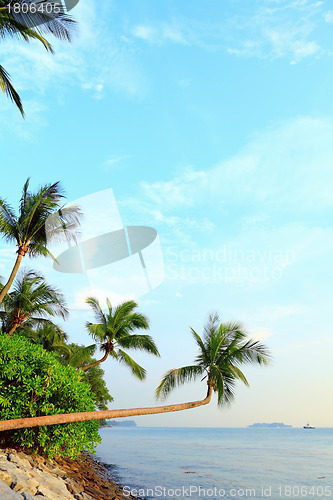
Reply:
x=212, y=123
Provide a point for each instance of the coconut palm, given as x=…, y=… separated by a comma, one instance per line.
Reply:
x=113, y=331
x=28, y=229
x=49, y=336
x=32, y=302
x=79, y=355
x=223, y=348
x=29, y=26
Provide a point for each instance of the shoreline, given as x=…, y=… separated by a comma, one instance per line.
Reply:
x=26, y=476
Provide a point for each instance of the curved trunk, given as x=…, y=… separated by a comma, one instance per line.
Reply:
x=12, y=276
x=13, y=328
x=98, y=415
x=84, y=368
x=22, y=251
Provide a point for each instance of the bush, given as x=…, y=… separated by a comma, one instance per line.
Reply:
x=33, y=383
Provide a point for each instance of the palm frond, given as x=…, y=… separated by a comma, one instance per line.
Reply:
x=137, y=370
x=9, y=90
x=8, y=222
x=176, y=377
x=98, y=332
x=120, y=319
x=95, y=305
x=253, y=352
x=138, y=342
x=80, y=357
x=58, y=23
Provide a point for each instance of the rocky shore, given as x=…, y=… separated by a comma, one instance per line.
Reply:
x=26, y=476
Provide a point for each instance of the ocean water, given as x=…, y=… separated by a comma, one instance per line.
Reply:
x=195, y=463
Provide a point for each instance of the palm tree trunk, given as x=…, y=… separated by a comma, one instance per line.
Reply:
x=84, y=368
x=20, y=254
x=98, y=415
x=12, y=330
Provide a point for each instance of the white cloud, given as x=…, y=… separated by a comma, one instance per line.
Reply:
x=114, y=161
x=147, y=33
x=179, y=191
x=328, y=16
x=184, y=83
x=160, y=33
x=269, y=205
x=287, y=167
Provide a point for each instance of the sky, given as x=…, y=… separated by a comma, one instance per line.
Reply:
x=212, y=123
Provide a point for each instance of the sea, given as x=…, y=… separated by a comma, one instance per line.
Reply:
x=198, y=463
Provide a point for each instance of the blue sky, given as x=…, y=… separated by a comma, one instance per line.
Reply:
x=212, y=123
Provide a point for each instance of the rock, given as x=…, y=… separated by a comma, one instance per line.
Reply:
x=5, y=477
x=35, y=477
x=22, y=482
x=19, y=462
x=84, y=496
x=27, y=496
x=56, y=486
x=50, y=494
x=7, y=494
x=73, y=486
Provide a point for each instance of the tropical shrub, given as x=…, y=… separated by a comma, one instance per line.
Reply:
x=34, y=383
x=93, y=376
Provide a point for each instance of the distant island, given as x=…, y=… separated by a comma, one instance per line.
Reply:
x=274, y=424
x=121, y=423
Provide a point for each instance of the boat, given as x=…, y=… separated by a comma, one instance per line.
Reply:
x=307, y=426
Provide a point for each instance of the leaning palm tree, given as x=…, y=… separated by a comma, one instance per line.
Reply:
x=28, y=229
x=31, y=303
x=29, y=23
x=114, y=332
x=222, y=350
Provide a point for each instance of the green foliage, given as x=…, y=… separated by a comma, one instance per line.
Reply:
x=114, y=330
x=31, y=302
x=93, y=376
x=33, y=383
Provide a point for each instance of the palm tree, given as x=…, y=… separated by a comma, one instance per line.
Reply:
x=79, y=355
x=29, y=26
x=49, y=336
x=222, y=350
x=113, y=331
x=28, y=230
x=30, y=301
